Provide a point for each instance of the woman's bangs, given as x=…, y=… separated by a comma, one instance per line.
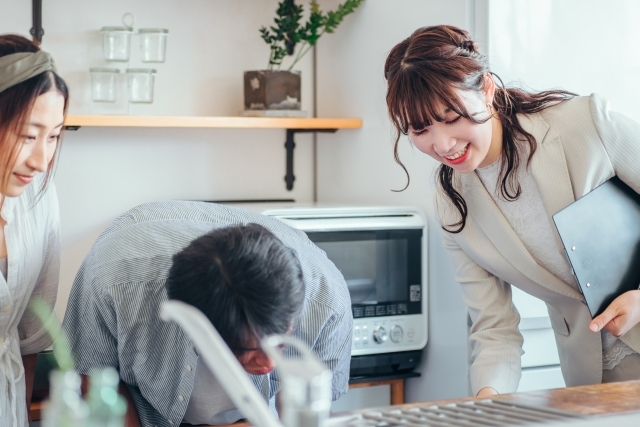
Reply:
x=417, y=104
x=411, y=103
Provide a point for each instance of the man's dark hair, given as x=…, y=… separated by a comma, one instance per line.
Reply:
x=243, y=278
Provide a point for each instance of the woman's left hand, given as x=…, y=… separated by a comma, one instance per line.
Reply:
x=621, y=315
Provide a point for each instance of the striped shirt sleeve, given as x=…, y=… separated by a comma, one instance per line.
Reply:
x=112, y=315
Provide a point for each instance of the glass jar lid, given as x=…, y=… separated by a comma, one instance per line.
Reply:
x=153, y=30
x=104, y=70
x=141, y=71
x=117, y=29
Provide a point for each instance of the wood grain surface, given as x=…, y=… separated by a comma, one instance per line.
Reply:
x=215, y=122
x=590, y=400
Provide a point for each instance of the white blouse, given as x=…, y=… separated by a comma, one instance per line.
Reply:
x=33, y=248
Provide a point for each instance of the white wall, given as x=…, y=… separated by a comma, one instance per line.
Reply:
x=103, y=172
x=583, y=46
x=359, y=168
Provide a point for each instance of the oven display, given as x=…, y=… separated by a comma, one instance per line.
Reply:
x=382, y=269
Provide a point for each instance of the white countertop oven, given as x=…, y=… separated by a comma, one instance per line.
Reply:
x=382, y=253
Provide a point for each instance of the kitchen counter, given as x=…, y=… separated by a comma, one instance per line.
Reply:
x=597, y=399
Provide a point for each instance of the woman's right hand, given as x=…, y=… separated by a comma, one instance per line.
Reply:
x=487, y=392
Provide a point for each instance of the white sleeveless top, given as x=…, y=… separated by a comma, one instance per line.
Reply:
x=528, y=218
x=3, y=267
x=209, y=403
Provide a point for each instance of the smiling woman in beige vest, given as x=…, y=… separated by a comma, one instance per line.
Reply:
x=33, y=101
x=510, y=159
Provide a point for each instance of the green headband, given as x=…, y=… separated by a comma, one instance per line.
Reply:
x=18, y=67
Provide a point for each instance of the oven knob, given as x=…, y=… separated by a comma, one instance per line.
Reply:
x=396, y=334
x=380, y=335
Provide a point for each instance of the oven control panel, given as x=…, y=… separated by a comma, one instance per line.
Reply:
x=388, y=334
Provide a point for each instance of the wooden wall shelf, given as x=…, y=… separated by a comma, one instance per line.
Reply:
x=73, y=122
x=292, y=125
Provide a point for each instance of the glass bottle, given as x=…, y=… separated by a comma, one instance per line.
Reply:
x=106, y=407
x=66, y=407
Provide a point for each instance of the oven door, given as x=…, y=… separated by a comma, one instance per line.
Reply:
x=382, y=269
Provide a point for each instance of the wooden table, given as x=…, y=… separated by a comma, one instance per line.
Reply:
x=396, y=386
x=597, y=399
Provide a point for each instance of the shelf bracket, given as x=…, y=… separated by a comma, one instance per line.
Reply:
x=36, y=12
x=289, y=145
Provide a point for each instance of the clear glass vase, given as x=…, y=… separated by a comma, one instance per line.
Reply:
x=106, y=407
x=66, y=407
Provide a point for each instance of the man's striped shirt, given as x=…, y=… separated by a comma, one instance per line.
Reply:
x=112, y=315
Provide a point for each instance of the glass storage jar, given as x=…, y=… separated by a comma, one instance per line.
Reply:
x=103, y=84
x=140, y=83
x=116, y=42
x=153, y=44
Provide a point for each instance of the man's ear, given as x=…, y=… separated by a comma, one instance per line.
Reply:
x=489, y=89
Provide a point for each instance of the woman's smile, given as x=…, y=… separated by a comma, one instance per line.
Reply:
x=26, y=179
x=459, y=156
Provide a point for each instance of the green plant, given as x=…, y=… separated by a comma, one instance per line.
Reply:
x=288, y=32
x=52, y=325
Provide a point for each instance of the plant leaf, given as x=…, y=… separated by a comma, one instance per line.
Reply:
x=333, y=19
x=310, y=32
x=62, y=350
x=288, y=32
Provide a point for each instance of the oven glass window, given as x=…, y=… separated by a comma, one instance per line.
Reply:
x=381, y=268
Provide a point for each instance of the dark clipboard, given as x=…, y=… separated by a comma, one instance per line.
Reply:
x=601, y=236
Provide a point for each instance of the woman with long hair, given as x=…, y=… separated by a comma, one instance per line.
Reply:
x=33, y=103
x=511, y=159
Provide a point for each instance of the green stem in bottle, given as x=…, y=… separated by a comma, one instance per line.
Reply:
x=303, y=52
x=51, y=324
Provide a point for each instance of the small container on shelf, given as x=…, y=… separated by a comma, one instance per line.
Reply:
x=116, y=42
x=103, y=84
x=153, y=44
x=140, y=84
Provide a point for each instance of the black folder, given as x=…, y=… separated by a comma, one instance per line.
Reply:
x=601, y=236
